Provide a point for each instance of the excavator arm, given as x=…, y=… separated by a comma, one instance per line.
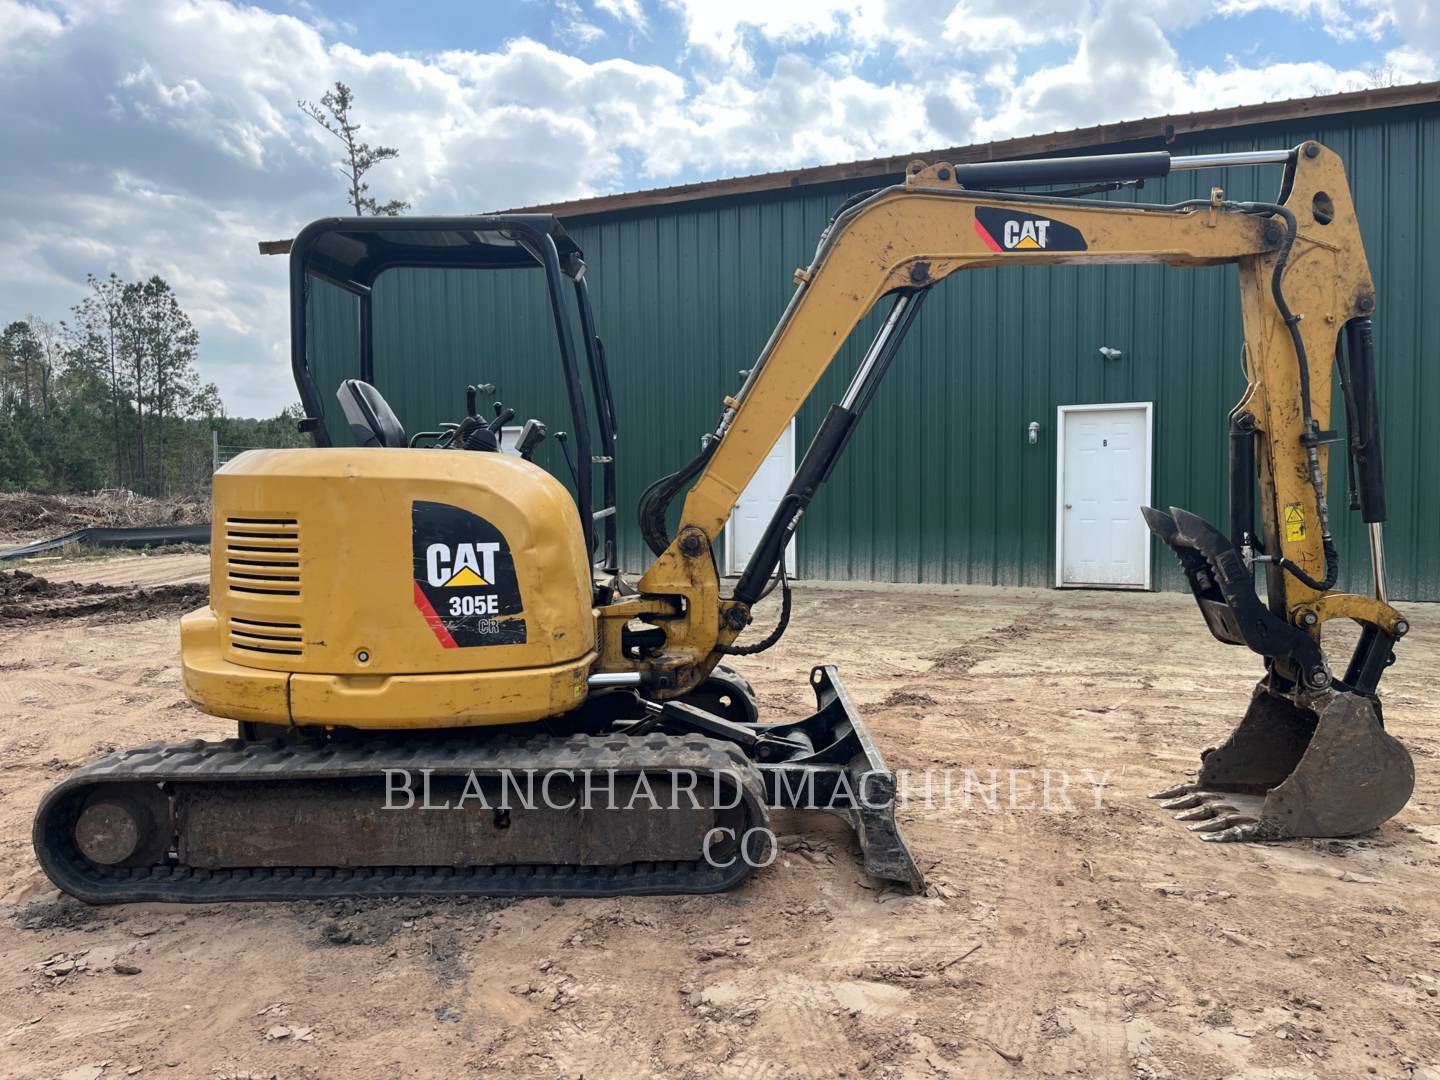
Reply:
x=1307, y=299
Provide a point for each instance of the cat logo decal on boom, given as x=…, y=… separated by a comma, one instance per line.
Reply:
x=464, y=578
x=1008, y=230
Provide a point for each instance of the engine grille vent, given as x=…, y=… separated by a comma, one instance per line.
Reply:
x=262, y=556
x=279, y=638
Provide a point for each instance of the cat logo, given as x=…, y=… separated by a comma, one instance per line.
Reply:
x=460, y=566
x=1025, y=234
x=1008, y=230
x=464, y=578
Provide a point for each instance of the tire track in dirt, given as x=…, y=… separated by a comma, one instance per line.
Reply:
x=128, y=570
x=960, y=659
x=1045, y=963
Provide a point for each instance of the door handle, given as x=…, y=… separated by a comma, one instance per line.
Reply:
x=1069, y=507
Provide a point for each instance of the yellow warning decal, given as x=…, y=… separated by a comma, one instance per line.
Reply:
x=1294, y=523
x=465, y=578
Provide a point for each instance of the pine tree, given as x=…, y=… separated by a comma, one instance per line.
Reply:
x=333, y=114
x=97, y=342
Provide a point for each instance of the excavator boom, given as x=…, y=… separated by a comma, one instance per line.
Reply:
x=1312, y=757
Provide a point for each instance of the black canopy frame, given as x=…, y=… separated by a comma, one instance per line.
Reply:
x=352, y=253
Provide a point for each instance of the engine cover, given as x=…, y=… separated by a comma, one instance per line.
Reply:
x=382, y=588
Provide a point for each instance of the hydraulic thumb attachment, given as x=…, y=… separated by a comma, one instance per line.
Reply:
x=1311, y=756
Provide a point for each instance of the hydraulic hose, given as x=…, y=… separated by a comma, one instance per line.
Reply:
x=774, y=635
x=656, y=499
x=1310, y=438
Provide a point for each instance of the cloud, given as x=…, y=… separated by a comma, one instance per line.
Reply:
x=142, y=137
x=1417, y=21
x=718, y=29
x=19, y=22
x=627, y=11
x=1124, y=67
x=798, y=116
x=573, y=26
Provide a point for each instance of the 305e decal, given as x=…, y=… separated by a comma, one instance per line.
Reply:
x=464, y=578
x=1010, y=230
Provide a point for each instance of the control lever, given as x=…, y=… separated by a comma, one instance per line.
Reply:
x=564, y=440
x=471, y=400
x=503, y=415
x=474, y=435
x=531, y=436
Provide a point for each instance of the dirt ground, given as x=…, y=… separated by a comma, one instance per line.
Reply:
x=1076, y=942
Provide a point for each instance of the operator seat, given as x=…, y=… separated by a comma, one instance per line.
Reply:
x=372, y=421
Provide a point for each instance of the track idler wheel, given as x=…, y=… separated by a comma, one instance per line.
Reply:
x=1288, y=770
x=124, y=825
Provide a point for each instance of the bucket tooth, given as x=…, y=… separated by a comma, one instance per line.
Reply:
x=1185, y=802
x=1221, y=823
x=1235, y=834
x=1173, y=792
x=1200, y=813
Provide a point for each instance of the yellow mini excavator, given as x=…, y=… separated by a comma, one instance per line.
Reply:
x=444, y=685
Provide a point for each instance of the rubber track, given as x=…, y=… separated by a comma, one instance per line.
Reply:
x=237, y=761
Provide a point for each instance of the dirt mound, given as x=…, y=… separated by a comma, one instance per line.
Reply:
x=959, y=660
x=25, y=516
x=907, y=697
x=25, y=597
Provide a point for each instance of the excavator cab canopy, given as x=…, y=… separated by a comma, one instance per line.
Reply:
x=352, y=253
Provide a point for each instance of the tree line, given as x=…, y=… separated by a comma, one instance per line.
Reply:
x=110, y=397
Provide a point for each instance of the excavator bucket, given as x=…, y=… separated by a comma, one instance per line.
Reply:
x=1312, y=761
x=1327, y=770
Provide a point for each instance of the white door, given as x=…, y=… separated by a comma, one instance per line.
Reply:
x=758, y=503
x=1104, y=478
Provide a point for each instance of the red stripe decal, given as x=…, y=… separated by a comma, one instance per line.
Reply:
x=430, y=617
x=989, y=240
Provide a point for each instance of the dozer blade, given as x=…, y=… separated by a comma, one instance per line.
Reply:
x=1315, y=761
x=828, y=761
x=1290, y=771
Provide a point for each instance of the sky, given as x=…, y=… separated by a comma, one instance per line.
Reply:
x=147, y=137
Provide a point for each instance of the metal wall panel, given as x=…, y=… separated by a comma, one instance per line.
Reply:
x=940, y=483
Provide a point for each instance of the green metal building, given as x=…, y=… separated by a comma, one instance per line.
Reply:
x=942, y=482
